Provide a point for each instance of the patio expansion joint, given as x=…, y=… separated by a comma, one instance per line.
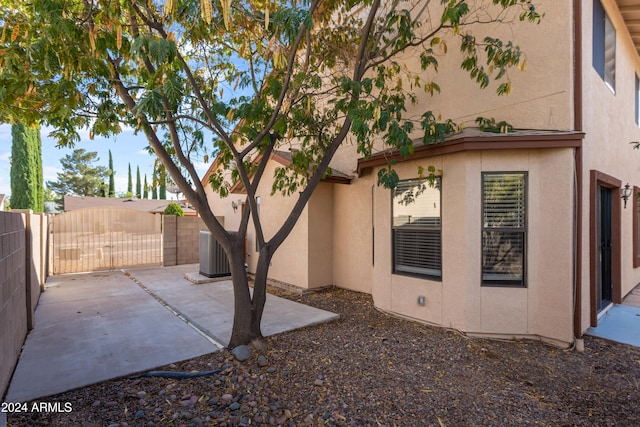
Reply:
x=200, y=330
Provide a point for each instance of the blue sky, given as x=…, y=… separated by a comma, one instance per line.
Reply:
x=126, y=148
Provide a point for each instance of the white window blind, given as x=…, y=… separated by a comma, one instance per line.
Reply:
x=417, y=229
x=503, y=228
x=609, y=53
x=603, y=45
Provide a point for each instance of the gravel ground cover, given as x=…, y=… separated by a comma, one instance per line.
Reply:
x=371, y=369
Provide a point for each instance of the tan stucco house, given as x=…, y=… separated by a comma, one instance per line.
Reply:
x=526, y=233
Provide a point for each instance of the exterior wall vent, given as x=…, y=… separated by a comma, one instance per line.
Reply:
x=213, y=260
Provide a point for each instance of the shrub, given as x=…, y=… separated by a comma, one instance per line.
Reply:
x=173, y=209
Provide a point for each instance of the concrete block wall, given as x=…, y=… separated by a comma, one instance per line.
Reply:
x=13, y=293
x=181, y=239
x=169, y=240
x=188, y=239
x=23, y=271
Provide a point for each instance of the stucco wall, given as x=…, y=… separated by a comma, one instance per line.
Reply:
x=542, y=95
x=305, y=259
x=544, y=307
x=353, y=235
x=321, y=235
x=290, y=263
x=609, y=125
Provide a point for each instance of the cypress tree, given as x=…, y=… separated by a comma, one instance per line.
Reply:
x=154, y=183
x=138, y=185
x=112, y=183
x=27, y=190
x=145, y=190
x=130, y=184
x=163, y=184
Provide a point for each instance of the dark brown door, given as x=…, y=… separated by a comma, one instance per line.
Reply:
x=604, y=282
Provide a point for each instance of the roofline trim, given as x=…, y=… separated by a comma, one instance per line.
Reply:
x=475, y=143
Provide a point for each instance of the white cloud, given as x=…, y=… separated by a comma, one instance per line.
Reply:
x=50, y=173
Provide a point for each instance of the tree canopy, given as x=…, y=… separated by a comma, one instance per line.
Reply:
x=239, y=80
x=79, y=176
x=173, y=209
x=27, y=190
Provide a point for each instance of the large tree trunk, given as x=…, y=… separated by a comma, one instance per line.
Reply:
x=242, y=332
x=248, y=309
x=260, y=288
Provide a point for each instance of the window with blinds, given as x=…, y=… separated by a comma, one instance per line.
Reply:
x=504, y=229
x=417, y=229
x=604, y=45
x=609, y=53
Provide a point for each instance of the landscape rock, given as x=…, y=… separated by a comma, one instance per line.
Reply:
x=421, y=376
x=262, y=361
x=242, y=353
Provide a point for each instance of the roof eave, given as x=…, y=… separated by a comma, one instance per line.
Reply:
x=461, y=143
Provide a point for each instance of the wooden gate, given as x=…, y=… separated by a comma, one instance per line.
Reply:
x=109, y=238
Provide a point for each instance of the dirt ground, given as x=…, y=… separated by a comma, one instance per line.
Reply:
x=371, y=369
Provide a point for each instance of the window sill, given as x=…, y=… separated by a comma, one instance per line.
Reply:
x=419, y=276
x=505, y=284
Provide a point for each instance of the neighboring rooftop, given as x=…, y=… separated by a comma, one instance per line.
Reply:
x=146, y=205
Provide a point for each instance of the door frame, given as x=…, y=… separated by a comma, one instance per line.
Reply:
x=599, y=179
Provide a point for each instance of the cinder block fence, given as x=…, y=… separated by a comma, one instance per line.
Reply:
x=23, y=271
x=22, y=274
x=180, y=237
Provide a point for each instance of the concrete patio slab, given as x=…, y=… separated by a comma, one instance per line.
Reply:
x=93, y=327
x=621, y=324
x=98, y=326
x=209, y=306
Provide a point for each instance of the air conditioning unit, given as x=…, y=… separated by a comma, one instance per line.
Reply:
x=213, y=260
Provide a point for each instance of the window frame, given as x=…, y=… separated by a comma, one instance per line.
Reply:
x=610, y=74
x=394, y=270
x=602, y=28
x=505, y=283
